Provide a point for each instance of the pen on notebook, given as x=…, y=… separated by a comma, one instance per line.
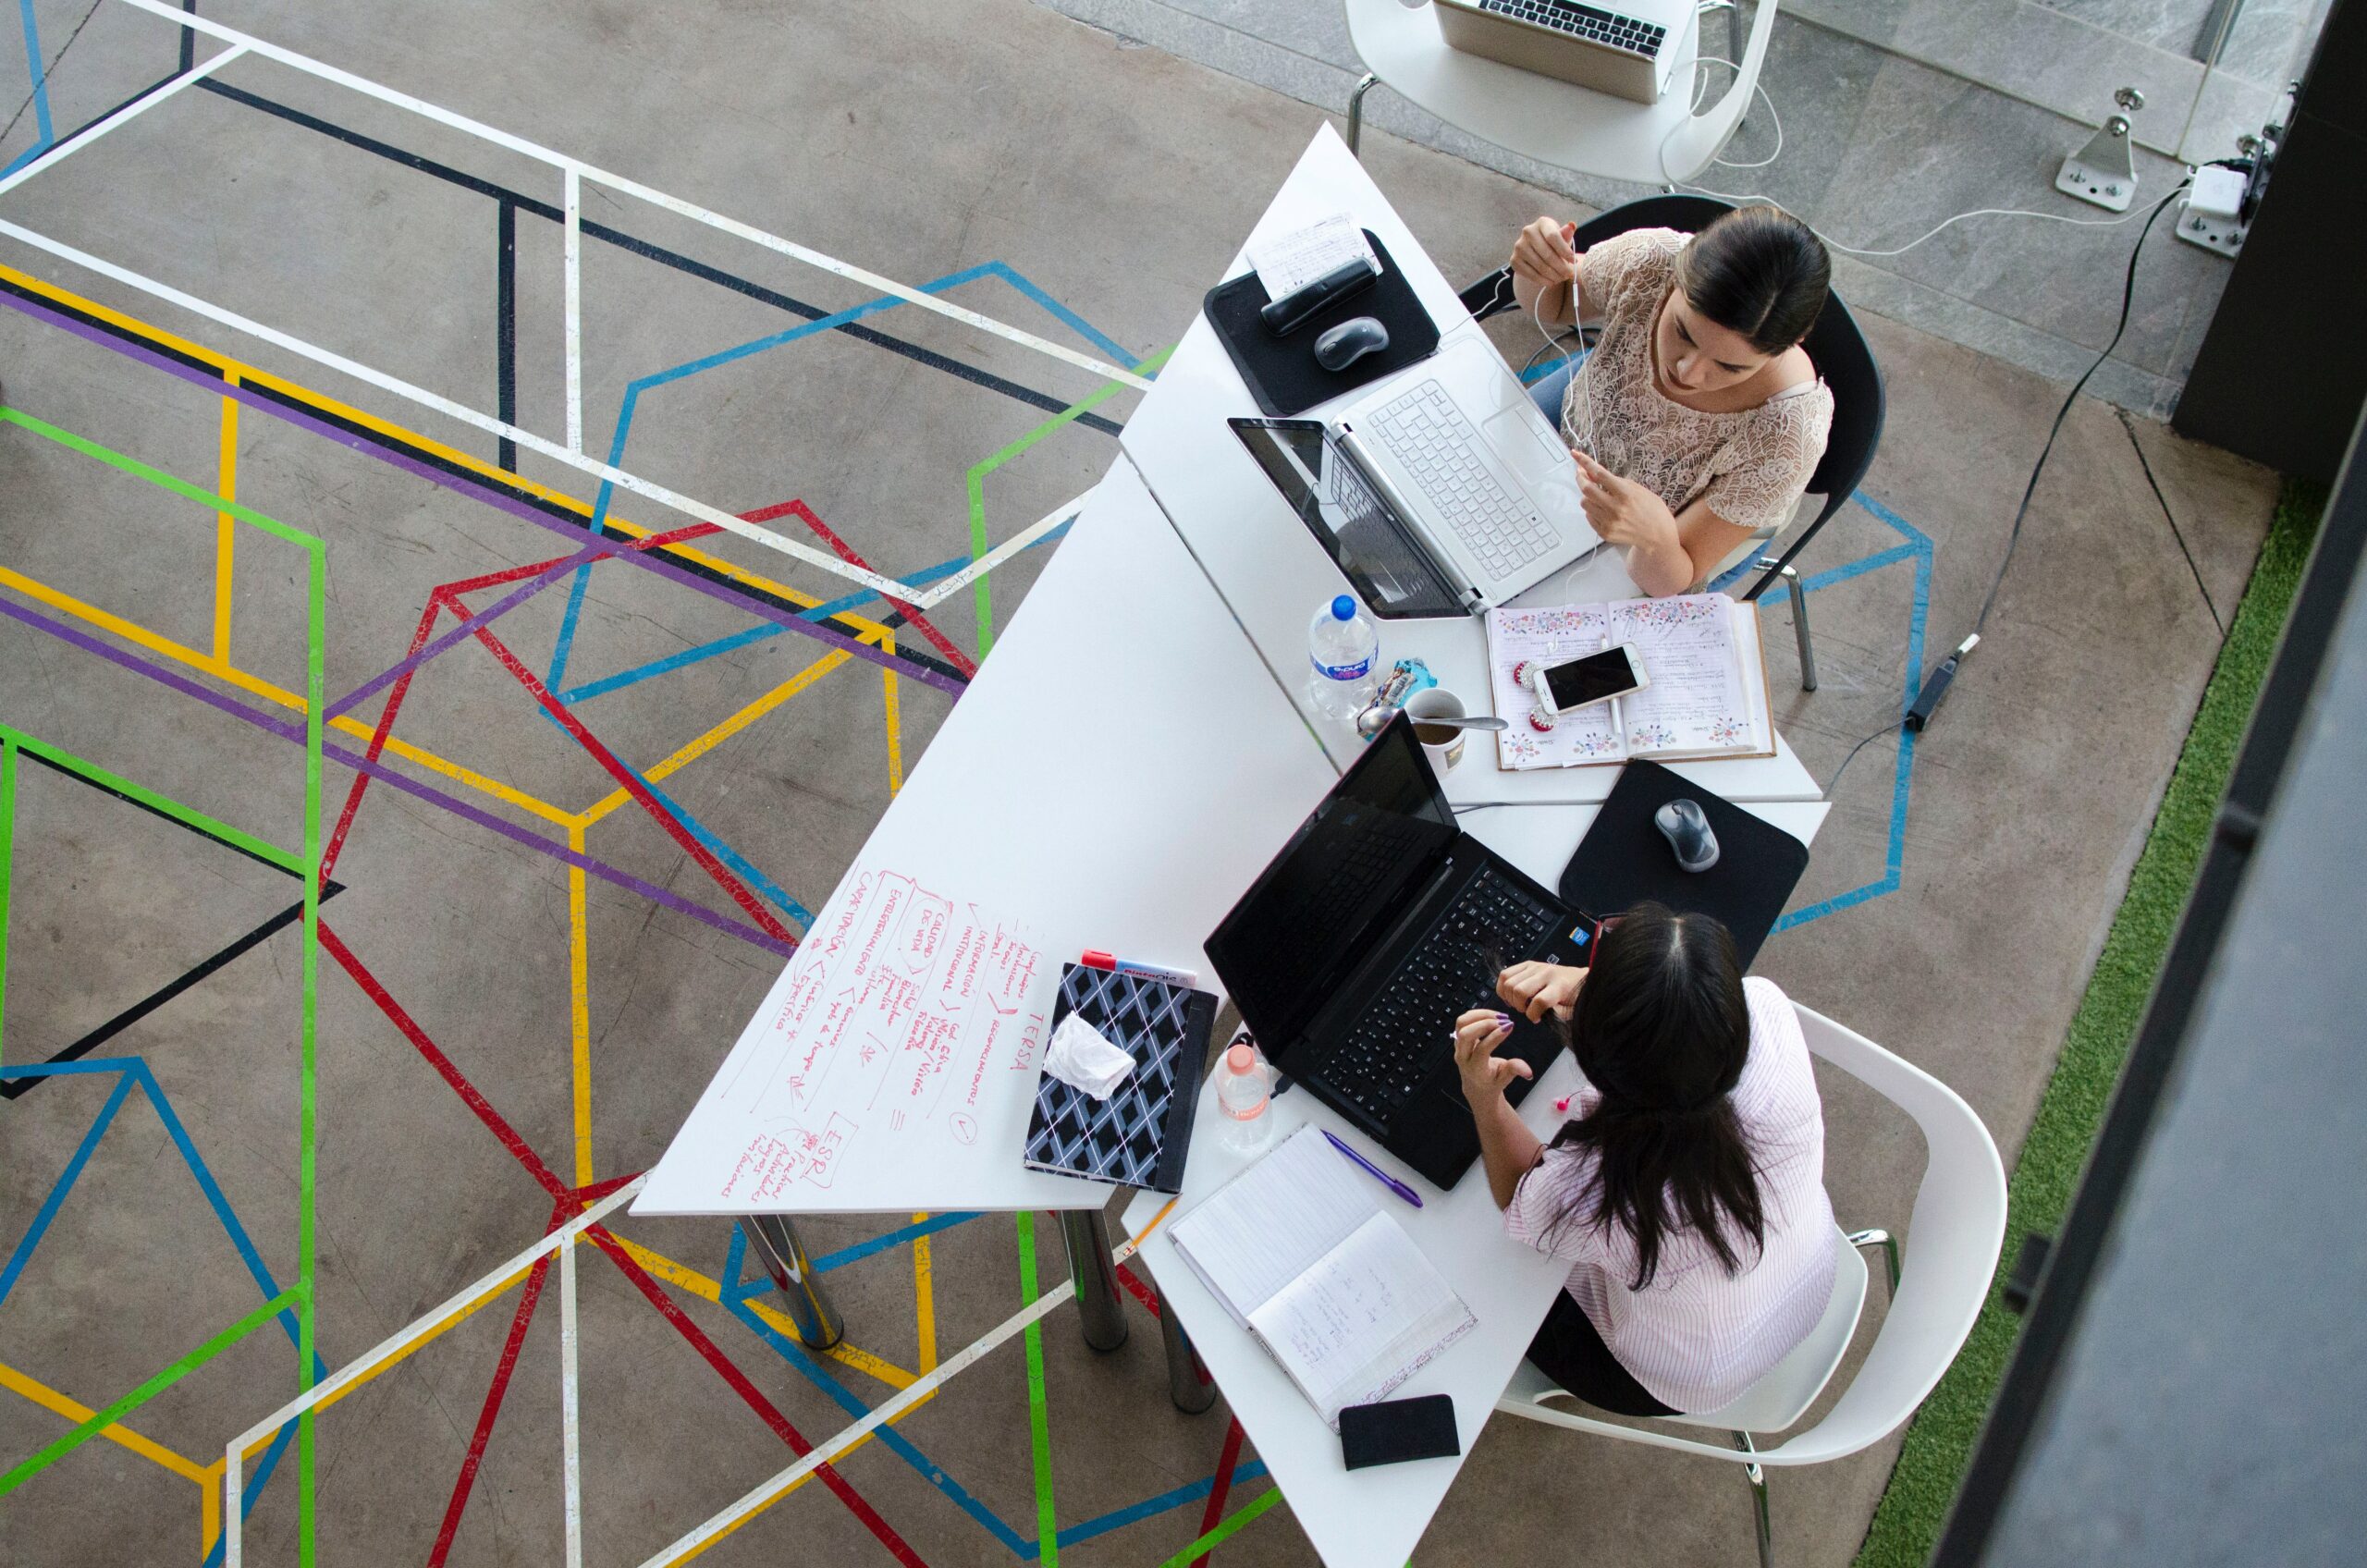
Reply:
x=1096, y=958
x=1386, y=1180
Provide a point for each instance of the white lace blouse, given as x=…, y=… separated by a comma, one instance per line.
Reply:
x=1751, y=465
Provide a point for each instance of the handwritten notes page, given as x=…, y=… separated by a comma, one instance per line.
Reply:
x=1288, y=262
x=902, y=1017
x=1698, y=703
x=1299, y=1249
x=1708, y=695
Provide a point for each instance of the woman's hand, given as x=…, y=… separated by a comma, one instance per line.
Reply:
x=1626, y=514
x=1545, y=262
x=1535, y=989
x=1477, y=1035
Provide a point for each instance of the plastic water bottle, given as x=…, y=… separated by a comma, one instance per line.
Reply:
x=1344, y=649
x=1244, y=1090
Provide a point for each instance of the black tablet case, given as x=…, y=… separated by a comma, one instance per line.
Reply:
x=1623, y=859
x=1138, y=1136
x=1282, y=372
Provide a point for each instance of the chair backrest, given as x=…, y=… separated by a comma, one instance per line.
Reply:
x=1955, y=1233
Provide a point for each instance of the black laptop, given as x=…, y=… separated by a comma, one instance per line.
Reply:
x=1378, y=924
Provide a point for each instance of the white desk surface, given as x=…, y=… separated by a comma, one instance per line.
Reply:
x=1119, y=772
x=1377, y=1517
x=1272, y=573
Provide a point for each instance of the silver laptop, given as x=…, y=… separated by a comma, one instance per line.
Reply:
x=1440, y=490
x=1626, y=47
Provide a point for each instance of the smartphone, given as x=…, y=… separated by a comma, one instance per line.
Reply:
x=1597, y=678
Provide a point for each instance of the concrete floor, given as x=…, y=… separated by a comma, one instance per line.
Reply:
x=918, y=142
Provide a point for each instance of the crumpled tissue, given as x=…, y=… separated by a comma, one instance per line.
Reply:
x=1079, y=1056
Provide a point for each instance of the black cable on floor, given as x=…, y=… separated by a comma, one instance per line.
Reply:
x=2171, y=518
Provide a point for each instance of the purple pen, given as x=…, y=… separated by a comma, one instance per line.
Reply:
x=1386, y=1180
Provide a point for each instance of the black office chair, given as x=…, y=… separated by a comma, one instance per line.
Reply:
x=1834, y=343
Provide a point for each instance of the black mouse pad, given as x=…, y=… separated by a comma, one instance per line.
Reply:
x=1282, y=372
x=1623, y=859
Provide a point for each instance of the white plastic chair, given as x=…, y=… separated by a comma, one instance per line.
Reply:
x=1957, y=1228
x=1542, y=117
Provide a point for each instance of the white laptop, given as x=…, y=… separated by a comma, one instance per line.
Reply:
x=1626, y=47
x=1440, y=491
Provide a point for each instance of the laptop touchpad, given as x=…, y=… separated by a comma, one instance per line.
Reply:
x=1538, y=456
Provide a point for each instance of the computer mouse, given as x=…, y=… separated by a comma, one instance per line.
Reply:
x=1344, y=345
x=1687, y=828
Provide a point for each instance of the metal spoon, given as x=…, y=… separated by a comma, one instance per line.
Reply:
x=1370, y=721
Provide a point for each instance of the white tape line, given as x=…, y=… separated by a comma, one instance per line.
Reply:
x=401, y=1339
x=571, y=1452
x=948, y=586
x=487, y=423
x=128, y=113
x=574, y=207
x=729, y=1518
x=635, y=188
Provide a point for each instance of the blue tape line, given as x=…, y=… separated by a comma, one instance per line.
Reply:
x=1118, y=1519
x=576, y=589
x=256, y=1269
x=731, y=857
x=1069, y=318
x=63, y=1185
x=1920, y=548
x=41, y=82
x=897, y=1238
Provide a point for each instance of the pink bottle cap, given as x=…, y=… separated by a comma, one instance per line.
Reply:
x=1241, y=1058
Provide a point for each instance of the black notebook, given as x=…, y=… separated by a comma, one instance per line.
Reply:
x=1138, y=1136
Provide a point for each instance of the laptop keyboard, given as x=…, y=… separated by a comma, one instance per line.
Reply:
x=1433, y=438
x=1407, y=1030
x=1629, y=35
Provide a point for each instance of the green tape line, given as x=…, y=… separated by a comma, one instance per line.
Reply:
x=101, y=1420
x=157, y=476
x=8, y=847
x=211, y=827
x=974, y=481
x=1039, y=1426
x=307, y=1114
x=1225, y=1526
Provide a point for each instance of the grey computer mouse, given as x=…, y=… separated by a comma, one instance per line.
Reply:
x=1351, y=341
x=1687, y=828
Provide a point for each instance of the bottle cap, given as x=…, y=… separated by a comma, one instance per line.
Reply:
x=1241, y=1058
x=1343, y=608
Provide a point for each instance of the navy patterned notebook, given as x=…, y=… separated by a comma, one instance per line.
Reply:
x=1138, y=1136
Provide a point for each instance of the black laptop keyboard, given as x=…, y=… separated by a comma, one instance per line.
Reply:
x=1407, y=1032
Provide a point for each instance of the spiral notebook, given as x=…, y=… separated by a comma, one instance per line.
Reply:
x=1701, y=652
x=1298, y=1249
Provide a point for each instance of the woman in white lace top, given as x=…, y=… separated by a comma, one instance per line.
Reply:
x=1698, y=418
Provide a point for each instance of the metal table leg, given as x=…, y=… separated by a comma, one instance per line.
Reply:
x=1356, y=111
x=774, y=1241
x=1099, y=1313
x=1188, y=1383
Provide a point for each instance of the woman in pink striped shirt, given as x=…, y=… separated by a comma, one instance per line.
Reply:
x=1686, y=1192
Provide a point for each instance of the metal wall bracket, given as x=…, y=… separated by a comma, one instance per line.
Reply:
x=2104, y=171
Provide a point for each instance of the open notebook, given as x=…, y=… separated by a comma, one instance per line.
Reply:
x=1298, y=1249
x=1708, y=696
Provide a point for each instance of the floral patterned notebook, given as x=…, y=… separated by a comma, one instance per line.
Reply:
x=1708, y=696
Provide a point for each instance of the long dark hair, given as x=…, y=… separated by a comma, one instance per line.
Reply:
x=1758, y=270
x=1662, y=1029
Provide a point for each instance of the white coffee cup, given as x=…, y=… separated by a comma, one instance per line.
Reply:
x=1444, y=755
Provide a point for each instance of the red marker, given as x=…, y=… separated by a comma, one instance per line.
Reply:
x=1096, y=958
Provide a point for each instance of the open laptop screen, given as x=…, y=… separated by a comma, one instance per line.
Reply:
x=1372, y=548
x=1312, y=915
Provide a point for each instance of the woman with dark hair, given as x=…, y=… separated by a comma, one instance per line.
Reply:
x=1696, y=418
x=1686, y=1192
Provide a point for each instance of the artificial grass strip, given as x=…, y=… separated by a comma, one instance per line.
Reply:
x=1938, y=1443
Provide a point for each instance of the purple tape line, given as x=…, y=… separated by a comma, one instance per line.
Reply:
x=787, y=619
x=468, y=627
x=293, y=729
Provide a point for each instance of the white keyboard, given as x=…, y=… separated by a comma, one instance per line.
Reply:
x=1433, y=438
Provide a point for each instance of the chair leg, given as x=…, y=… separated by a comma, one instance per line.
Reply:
x=1758, y=1479
x=1356, y=111
x=1888, y=1242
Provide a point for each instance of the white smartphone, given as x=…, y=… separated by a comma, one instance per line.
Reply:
x=1597, y=678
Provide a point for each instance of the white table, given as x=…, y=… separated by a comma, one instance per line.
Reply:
x=1543, y=117
x=1271, y=571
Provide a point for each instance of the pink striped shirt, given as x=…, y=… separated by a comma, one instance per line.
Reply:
x=1697, y=1337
